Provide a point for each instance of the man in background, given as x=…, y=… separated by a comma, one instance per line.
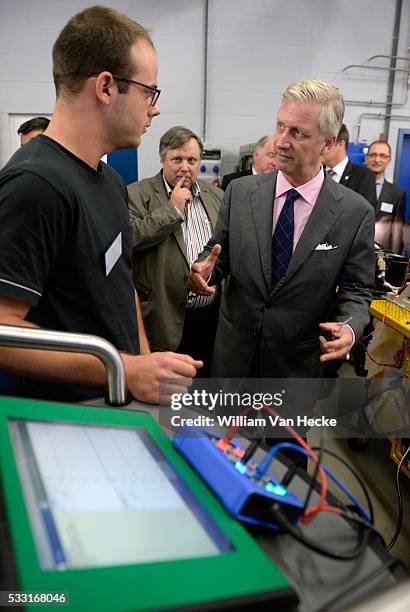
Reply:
x=299, y=251
x=173, y=215
x=343, y=171
x=391, y=199
x=31, y=128
x=66, y=246
x=263, y=161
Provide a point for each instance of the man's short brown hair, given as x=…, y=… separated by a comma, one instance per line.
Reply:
x=379, y=142
x=94, y=40
x=175, y=138
x=36, y=123
x=343, y=135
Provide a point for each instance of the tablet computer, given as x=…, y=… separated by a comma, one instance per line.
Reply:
x=102, y=508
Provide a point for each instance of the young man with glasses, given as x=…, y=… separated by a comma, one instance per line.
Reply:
x=391, y=199
x=173, y=215
x=65, y=253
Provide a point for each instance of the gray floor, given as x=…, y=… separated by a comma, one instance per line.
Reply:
x=378, y=472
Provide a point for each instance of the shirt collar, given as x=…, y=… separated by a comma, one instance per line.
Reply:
x=196, y=190
x=340, y=167
x=309, y=191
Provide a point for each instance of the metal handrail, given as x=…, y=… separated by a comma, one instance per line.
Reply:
x=33, y=338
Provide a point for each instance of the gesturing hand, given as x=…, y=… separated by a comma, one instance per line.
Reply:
x=201, y=271
x=339, y=342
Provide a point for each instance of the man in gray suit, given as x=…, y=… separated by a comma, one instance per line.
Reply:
x=263, y=161
x=288, y=318
x=173, y=215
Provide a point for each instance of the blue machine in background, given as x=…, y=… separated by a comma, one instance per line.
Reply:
x=402, y=166
x=357, y=152
x=125, y=162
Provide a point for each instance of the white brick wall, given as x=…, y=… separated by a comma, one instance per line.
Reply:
x=256, y=47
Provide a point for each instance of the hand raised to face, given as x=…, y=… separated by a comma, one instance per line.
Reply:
x=180, y=196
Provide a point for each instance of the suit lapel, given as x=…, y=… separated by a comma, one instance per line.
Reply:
x=159, y=187
x=261, y=200
x=322, y=218
x=207, y=204
x=344, y=179
x=179, y=236
x=385, y=194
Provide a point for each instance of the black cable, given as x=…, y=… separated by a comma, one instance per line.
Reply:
x=309, y=543
x=315, y=473
x=287, y=478
x=291, y=471
x=400, y=499
x=251, y=450
x=357, y=585
x=356, y=475
x=355, y=518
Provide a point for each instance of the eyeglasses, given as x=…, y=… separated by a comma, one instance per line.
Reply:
x=383, y=156
x=155, y=92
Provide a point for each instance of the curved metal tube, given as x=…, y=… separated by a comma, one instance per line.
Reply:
x=30, y=337
x=374, y=103
x=373, y=68
x=397, y=57
x=377, y=116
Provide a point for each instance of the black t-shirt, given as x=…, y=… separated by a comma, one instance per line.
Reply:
x=58, y=219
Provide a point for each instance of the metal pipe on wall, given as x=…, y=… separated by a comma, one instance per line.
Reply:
x=374, y=103
x=205, y=90
x=390, y=86
x=376, y=67
x=377, y=116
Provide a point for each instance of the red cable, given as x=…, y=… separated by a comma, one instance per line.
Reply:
x=312, y=511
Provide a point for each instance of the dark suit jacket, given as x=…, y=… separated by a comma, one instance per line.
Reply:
x=361, y=180
x=230, y=177
x=390, y=220
x=159, y=264
x=281, y=326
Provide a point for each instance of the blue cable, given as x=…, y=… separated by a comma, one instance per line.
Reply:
x=264, y=465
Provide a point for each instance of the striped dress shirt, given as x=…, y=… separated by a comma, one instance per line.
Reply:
x=197, y=230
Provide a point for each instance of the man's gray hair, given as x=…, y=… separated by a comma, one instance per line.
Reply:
x=325, y=94
x=262, y=142
x=176, y=138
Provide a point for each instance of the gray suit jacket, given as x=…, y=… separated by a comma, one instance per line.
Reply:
x=281, y=326
x=160, y=265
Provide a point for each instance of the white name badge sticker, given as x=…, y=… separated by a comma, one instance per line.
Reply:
x=386, y=207
x=113, y=254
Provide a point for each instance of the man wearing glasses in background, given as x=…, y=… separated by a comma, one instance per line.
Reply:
x=66, y=247
x=173, y=215
x=391, y=199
